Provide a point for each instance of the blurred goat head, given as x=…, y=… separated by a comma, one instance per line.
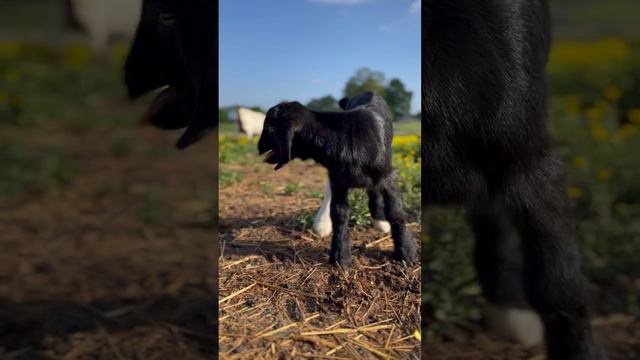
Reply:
x=173, y=48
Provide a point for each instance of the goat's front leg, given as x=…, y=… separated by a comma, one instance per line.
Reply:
x=340, y=242
x=404, y=247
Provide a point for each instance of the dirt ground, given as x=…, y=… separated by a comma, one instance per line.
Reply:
x=619, y=334
x=279, y=298
x=83, y=275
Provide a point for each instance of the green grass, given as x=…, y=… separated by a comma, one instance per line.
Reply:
x=292, y=188
x=33, y=170
x=227, y=127
x=153, y=208
x=28, y=16
x=227, y=177
x=35, y=80
x=407, y=127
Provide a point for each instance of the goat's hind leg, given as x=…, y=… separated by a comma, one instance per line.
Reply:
x=498, y=262
x=322, y=221
x=376, y=208
x=404, y=247
x=554, y=283
x=340, y=243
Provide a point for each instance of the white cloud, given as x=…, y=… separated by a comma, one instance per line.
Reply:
x=385, y=27
x=416, y=6
x=341, y=2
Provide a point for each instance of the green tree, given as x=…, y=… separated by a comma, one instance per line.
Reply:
x=223, y=116
x=325, y=103
x=365, y=79
x=398, y=98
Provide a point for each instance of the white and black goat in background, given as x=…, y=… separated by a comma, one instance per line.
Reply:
x=355, y=147
x=486, y=147
x=102, y=19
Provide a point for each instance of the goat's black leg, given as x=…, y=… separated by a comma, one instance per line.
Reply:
x=376, y=205
x=554, y=283
x=499, y=266
x=376, y=208
x=404, y=247
x=340, y=243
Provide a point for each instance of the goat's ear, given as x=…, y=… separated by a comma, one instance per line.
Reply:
x=343, y=103
x=284, y=140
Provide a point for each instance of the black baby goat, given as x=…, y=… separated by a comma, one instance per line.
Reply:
x=486, y=147
x=355, y=147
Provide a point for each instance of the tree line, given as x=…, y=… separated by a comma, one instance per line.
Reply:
x=365, y=79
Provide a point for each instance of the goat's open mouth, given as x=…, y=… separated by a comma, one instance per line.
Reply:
x=167, y=111
x=271, y=157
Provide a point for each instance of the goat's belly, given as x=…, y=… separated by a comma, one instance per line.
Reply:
x=451, y=185
x=353, y=179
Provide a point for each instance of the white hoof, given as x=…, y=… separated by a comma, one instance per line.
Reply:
x=381, y=225
x=322, y=227
x=519, y=325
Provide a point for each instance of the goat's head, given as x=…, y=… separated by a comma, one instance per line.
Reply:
x=173, y=47
x=283, y=121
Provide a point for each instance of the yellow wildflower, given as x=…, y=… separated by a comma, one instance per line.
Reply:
x=603, y=175
x=598, y=131
x=612, y=93
x=579, y=161
x=634, y=115
x=574, y=192
x=572, y=104
x=627, y=131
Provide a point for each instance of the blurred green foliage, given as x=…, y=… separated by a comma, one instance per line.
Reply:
x=38, y=83
x=33, y=170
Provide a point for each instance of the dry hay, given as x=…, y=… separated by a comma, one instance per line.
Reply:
x=279, y=298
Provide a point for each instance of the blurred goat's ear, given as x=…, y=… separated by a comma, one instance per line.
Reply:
x=343, y=103
x=141, y=68
x=284, y=140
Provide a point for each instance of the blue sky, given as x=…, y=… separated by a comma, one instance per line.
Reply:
x=272, y=51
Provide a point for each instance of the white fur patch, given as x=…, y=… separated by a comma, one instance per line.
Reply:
x=381, y=225
x=519, y=325
x=322, y=222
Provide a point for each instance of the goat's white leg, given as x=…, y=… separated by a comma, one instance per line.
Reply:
x=523, y=326
x=382, y=225
x=322, y=222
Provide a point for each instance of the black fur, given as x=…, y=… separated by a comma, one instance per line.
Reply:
x=355, y=147
x=174, y=46
x=486, y=147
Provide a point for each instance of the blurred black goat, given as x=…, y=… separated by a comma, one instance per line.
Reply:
x=355, y=147
x=486, y=147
